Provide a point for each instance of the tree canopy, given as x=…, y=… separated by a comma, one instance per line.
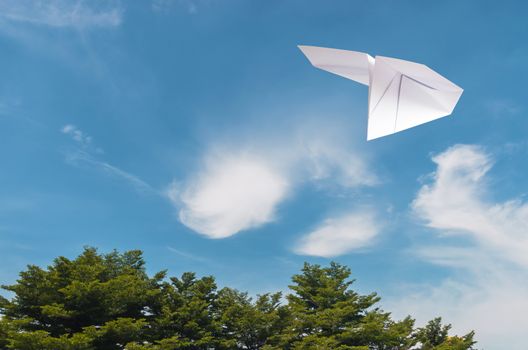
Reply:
x=108, y=301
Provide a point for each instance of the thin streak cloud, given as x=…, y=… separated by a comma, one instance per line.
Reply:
x=83, y=154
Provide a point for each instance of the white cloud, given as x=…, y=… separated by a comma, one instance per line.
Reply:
x=494, y=306
x=231, y=194
x=456, y=204
x=488, y=285
x=241, y=185
x=62, y=13
x=340, y=235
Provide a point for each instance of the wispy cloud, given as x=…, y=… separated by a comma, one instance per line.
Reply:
x=10, y=107
x=340, y=235
x=84, y=141
x=240, y=186
x=489, y=272
x=493, y=305
x=187, y=255
x=456, y=204
x=501, y=107
x=86, y=158
x=326, y=157
x=191, y=6
x=66, y=30
x=84, y=154
x=62, y=13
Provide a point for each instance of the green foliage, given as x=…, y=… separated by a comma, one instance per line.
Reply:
x=107, y=301
x=326, y=314
x=248, y=324
x=4, y=332
x=186, y=317
x=435, y=336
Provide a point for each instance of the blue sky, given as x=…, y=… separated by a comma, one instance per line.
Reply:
x=198, y=132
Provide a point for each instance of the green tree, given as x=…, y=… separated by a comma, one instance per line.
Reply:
x=185, y=319
x=247, y=324
x=4, y=329
x=76, y=296
x=326, y=314
x=435, y=336
x=107, y=301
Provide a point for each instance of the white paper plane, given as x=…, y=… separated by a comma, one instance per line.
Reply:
x=402, y=94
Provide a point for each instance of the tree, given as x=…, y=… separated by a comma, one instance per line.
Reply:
x=248, y=324
x=326, y=314
x=94, y=294
x=185, y=317
x=108, y=301
x=4, y=329
x=435, y=336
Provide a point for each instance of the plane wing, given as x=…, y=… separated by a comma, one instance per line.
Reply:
x=349, y=64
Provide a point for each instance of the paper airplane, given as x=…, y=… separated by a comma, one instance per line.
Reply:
x=402, y=94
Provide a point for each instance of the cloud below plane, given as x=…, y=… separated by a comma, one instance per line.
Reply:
x=241, y=187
